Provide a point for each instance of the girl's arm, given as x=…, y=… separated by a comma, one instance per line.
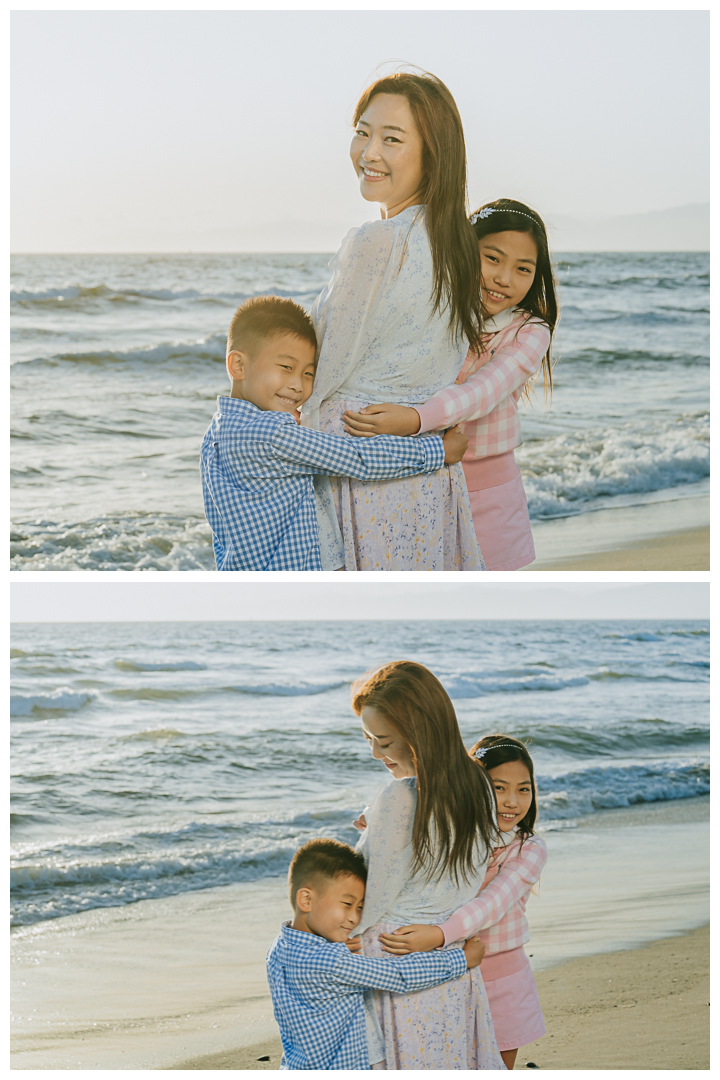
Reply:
x=516, y=878
x=508, y=370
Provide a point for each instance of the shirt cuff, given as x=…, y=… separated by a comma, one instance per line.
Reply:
x=458, y=960
x=453, y=929
x=432, y=416
x=434, y=453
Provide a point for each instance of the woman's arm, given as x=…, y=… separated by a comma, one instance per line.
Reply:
x=516, y=878
x=348, y=315
x=483, y=391
x=387, y=847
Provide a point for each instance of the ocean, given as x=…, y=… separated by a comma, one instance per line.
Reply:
x=151, y=760
x=117, y=361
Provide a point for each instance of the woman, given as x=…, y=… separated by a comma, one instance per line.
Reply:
x=396, y=320
x=427, y=841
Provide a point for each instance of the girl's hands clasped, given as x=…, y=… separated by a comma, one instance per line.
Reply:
x=382, y=420
x=412, y=939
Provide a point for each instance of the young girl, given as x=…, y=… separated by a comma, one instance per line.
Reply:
x=426, y=844
x=497, y=914
x=521, y=311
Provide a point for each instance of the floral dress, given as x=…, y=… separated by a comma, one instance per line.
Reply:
x=380, y=341
x=448, y=1026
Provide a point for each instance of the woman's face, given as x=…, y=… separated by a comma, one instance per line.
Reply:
x=513, y=792
x=387, y=151
x=508, y=261
x=387, y=744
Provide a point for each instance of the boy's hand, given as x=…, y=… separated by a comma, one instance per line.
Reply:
x=360, y=823
x=382, y=420
x=412, y=939
x=354, y=944
x=456, y=443
x=474, y=950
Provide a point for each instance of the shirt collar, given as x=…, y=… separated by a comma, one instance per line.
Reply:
x=301, y=937
x=227, y=404
x=500, y=321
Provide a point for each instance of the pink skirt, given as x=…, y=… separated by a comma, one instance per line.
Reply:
x=513, y=998
x=500, y=511
x=446, y=1027
x=419, y=522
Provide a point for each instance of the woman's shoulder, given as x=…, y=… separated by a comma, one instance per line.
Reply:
x=395, y=796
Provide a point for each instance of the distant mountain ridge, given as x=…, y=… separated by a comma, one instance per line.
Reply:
x=680, y=228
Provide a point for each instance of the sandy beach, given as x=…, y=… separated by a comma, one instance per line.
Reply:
x=179, y=983
x=666, y=535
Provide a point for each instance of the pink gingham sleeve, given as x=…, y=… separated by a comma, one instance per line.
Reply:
x=508, y=370
x=495, y=901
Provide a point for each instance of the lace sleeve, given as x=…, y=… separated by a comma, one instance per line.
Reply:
x=387, y=847
x=348, y=315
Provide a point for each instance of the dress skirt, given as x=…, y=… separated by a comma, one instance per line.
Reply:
x=446, y=1027
x=514, y=1003
x=500, y=511
x=416, y=523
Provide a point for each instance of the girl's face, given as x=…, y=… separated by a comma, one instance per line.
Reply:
x=513, y=792
x=508, y=263
x=387, y=151
x=387, y=744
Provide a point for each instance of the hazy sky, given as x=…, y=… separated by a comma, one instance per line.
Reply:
x=141, y=600
x=229, y=130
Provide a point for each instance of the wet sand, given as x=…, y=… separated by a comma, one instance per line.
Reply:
x=687, y=550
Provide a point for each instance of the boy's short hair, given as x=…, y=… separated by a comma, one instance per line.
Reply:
x=264, y=317
x=320, y=861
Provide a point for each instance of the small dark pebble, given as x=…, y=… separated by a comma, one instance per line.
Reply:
x=265, y=1057
x=531, y=1065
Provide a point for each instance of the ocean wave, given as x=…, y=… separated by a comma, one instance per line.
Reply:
x=286, y=689
x=114, y=542
x=182, y=665
x=67, y=293
x=471, y=686
x=61, y=700
x=201, y=351
x=562, y=475
x=577, y=794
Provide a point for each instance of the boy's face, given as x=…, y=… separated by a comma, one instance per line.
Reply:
x=279, y=378
x=332, y=912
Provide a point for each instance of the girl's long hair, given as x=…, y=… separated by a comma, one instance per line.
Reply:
x=508, y=215
x=456, y=261
x=510, y=750
x=454, y=826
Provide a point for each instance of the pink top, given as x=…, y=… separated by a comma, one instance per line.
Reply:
x=486, y=393
x=498, y=910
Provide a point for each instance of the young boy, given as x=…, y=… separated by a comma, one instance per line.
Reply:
x=258, y=464
x=317, y=984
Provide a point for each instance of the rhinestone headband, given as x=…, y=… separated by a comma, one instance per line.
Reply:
x=480, y=754
x=481, y=214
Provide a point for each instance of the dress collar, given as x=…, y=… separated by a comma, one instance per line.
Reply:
x=501, y=321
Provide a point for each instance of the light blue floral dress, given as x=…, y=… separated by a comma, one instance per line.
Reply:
x=380, y=342
x=448, y=1026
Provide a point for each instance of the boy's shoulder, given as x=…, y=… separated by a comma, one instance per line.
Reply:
x=307, y=949
x=236, y=415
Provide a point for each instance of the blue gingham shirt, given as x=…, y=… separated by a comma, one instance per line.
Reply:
x=257, y=472
x=317, y=991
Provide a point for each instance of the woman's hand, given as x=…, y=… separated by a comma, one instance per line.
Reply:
x=360, y=823
x=455, y=443
x=354, y=944
x=413, y=939
x=474, y=950
x=382, y=420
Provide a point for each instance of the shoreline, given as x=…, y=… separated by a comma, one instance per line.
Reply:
x=179, y=983
x=665, y=535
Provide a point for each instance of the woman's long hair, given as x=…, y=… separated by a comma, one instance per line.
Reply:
x=456, y=261
x=508, y=215
x=454, y=824
x=510, y=749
